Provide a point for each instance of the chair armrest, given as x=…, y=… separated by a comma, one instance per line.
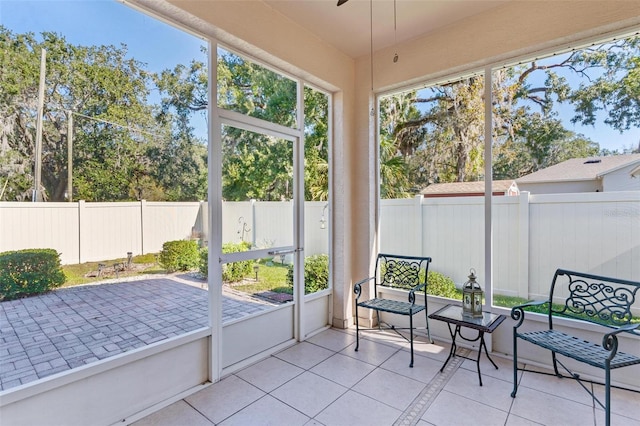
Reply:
x=419, y=287
x=357, y=287
x=517, y=312
x=628, y=327
x=610, y=340
x=412, y=292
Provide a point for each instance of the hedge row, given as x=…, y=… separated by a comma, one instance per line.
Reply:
x=179, y=255
x=231, y=272
x=316, y=273
x=29, y=272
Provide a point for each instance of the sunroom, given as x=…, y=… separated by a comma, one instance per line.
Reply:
x=358, y=55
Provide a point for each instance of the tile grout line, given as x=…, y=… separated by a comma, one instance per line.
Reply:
x=423, y=401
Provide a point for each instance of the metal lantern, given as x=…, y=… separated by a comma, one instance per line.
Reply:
x=472, y=297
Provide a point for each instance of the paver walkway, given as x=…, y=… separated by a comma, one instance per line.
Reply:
x=71, y=327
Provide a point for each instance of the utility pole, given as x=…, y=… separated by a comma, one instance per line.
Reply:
x=37, y=194
x=69, y=156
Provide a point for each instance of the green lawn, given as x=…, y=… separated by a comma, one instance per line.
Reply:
x=271, y=277
x=84, y=273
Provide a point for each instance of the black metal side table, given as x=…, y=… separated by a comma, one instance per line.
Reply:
x=452, y=314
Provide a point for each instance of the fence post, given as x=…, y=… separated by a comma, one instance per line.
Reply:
x=80, y=230
x=202, y=223
x=523, y=249
x=419, y=224
x=253, y=222
x=143, y=206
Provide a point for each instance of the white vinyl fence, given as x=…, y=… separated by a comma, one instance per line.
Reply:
x=533, y=235
x=86, y=232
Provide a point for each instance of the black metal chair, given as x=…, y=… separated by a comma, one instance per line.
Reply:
x=595, y=299
x=399, y=272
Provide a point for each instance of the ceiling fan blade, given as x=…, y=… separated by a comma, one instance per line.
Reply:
x=341, y=2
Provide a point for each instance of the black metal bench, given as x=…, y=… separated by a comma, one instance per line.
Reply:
x=399, y=272
x=591, y=298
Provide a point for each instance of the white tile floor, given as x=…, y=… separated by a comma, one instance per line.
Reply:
x=325, y=382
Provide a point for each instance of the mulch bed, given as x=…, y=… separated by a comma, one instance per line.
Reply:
x=272, y=296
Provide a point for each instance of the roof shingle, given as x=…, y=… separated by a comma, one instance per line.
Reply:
x=465, y=187
x=577, y=169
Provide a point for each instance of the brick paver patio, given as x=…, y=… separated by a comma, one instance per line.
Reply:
x=71, y=327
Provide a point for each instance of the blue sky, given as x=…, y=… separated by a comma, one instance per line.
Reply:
x=600, y=132
x=95, y=22
x=603, y=134
x=108, y=22
x=161, y=46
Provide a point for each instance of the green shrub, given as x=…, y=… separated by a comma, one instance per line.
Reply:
x=441, y=285
x=204, y=262
x=231, y=272
x=316, y=273
x=179, y=255
x=29, y=272
x=236, y=271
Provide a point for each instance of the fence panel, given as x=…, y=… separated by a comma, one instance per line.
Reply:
x=273, y=223
x=316, y=238
x=507, y=251
x=401, y=227
x=597, y=233
x=109, y=230
x=265, y=224
x=237, y=221
x=164, y=222
x=28, y=225
x=454, y=235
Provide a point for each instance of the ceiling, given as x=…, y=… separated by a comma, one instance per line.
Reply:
x=348, y=27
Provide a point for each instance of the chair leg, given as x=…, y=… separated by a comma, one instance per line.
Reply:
x=555, y=364
x=515, y=365
x=426, y=317
x=357, y=330
x=607, y=394
x=411, y=333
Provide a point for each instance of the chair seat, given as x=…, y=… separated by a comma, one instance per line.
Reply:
x=578, y=349
x=393, y=306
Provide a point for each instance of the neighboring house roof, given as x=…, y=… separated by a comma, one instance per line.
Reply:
x=466, y=188
x=578, y=169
